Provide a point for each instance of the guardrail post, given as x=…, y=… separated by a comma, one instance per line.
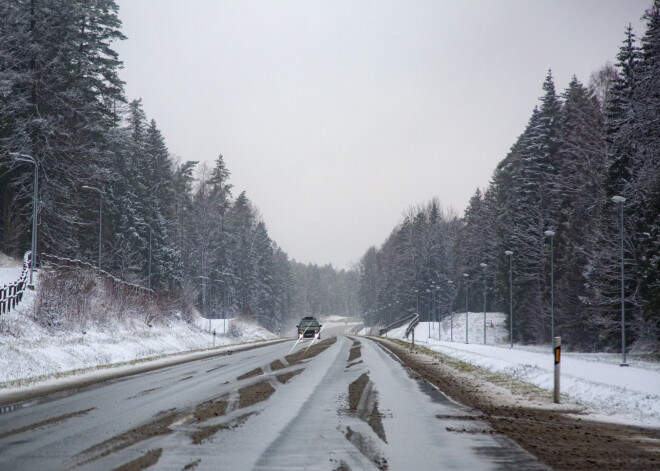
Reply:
x=557, y=363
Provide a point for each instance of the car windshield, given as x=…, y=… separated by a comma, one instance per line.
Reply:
x=304, y=324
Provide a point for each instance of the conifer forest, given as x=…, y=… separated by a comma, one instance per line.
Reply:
x=580, y=184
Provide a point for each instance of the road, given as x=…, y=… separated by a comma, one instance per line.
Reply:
x=342, y=403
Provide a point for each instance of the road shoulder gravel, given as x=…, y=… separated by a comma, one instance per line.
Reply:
x=560, y=435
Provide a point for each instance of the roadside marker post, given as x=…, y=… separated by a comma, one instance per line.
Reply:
x=213, y=338
x=557, y=363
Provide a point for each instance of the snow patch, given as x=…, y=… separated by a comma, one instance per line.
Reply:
x=29, y=350
x=628, y=395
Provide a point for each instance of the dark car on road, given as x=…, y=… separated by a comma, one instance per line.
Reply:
x=309, y=327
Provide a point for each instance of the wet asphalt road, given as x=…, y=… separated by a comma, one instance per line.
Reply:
x=343, y=404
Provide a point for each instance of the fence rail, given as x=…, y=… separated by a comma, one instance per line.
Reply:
x=357, y=328
x=413, y=323
x=11, y=294
x=71, y=263
x=398, y=323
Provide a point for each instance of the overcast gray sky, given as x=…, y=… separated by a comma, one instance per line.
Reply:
x=336, y=116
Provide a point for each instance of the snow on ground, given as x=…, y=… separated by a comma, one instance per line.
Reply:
x=10, y=269
x=28, y=350
x=338, y=321
x=596, y=380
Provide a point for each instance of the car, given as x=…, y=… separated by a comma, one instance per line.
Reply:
x=309, y=327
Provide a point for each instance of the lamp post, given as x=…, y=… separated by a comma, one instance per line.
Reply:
x=451, y=315
x=510, y=254
x=434, y=310
x=100, y=219
x=204, y=306
x=484, y=266
x=224, y=305
x=35, y=197
x=428, y=298
x=551, y=234
x=145, y=224
x=621, y=200
x=467, y=284
x=436, y=300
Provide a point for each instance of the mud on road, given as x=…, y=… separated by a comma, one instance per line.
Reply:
x=558, y=437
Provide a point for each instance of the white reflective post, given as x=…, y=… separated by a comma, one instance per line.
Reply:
x=557, y=351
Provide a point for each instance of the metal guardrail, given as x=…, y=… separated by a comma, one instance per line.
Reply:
x=411, y=326
x=71, y=263
x=398, y=323
x=11, y=294
x=357, y=328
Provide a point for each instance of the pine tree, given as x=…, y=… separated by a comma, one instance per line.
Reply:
x=580, y=189
x=59, y=100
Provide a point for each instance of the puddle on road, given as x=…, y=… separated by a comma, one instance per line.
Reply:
x=310, y=351
x=355, y=351
x=363, y=400
x=283, y=378
x=150, y=458
x=216, y=368
x=250, y=374
x=342, y=466
x=367, y=447
x=211, y=409
x=143, y=393
x=53, y=396
x=45, y=423
x=157, y=427
x=352, y=364
x=204, y=433
x=258, y=392
x=192, y=465
x=355, y=390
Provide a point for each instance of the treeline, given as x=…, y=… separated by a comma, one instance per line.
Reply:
x=324, y=291
x=175, y=226
x=580, y=148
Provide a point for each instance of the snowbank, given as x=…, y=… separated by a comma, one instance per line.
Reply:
x=611, y=392
x=28, y=350
x=10, y=269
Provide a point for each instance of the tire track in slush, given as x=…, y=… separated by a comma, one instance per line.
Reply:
x=363, y=403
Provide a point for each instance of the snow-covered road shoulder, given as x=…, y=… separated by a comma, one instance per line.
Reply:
x=31, y=354
x=628, y=395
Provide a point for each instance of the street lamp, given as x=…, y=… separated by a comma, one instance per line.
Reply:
x=204, y=306
x=451, y=315
x=428, y=291
x=100, y=218
x=436, y=303
x=621, y=200
x=551, y=234
x=467, y=283
x=484, y=266
x=145, y=224
x=31, y=160
x=224, y=305
x=510, y=254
